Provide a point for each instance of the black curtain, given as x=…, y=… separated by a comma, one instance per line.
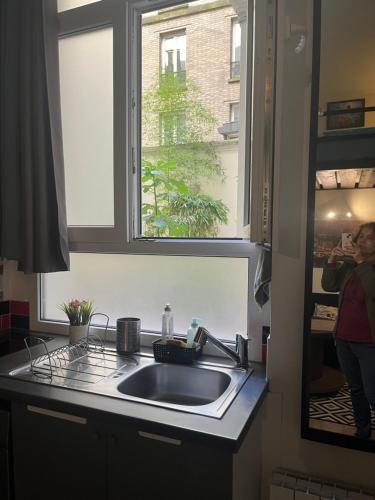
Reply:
x=33, y=227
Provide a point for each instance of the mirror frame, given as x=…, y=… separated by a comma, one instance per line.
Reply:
x=307, y=432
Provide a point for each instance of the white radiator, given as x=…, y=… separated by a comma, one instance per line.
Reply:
x=287, y=485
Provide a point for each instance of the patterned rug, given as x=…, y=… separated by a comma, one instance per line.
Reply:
x=336, y=408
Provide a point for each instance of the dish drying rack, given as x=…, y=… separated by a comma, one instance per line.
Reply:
x=85, y=361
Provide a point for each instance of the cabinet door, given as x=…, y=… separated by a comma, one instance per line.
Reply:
x=145, y=466
x=56, y=456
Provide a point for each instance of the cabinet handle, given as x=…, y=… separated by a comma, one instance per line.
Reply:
x=158, y=437
x=57, y=414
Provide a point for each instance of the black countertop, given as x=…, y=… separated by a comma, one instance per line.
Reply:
x=227, y=432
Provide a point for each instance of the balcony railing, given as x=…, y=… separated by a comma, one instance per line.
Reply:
x=235, y=68
x=229, y=130
x=179, y=76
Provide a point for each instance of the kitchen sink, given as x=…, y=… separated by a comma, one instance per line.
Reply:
x=203, y=388
x=180, y=385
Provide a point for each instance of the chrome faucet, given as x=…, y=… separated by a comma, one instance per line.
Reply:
x=239, y=356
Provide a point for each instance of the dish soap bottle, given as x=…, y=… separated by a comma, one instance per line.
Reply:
x=167, y=323
x=192, y=330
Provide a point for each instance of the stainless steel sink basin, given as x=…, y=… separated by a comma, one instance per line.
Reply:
x=180, y=385
x=203, y=388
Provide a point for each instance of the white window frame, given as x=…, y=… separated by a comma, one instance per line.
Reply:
x=80, y=20
x=125, y=237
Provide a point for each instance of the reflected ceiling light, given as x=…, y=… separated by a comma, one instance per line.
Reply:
x=349, y=214
x=331, y=215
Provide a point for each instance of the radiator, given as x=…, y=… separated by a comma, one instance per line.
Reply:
x=287, y=485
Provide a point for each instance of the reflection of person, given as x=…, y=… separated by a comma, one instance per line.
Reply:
x=354, y=278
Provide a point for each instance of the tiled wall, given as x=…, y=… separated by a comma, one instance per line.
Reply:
x=14, y=314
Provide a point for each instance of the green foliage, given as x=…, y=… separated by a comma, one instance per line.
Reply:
x=175, y=118
x=172, y=203
x=175, y=211
x=199, y=213
x=160, y=186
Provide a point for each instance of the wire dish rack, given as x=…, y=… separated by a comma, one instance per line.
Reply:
x=86, y=362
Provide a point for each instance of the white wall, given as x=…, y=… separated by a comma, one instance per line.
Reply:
x=282, y=445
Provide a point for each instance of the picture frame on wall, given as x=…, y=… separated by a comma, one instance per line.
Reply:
x=345, y=120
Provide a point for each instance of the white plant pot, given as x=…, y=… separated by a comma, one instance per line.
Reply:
x=76, y=333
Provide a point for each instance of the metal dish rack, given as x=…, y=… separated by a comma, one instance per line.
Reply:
x=86, y=361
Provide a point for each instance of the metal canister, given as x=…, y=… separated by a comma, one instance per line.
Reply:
x=128, y=335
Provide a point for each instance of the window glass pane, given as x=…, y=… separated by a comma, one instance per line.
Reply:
x=173, y=53
x=236, y=41
x=213, y=289
x=86, y=80
x=71, y=4
x=234, y=112
x=189, y=150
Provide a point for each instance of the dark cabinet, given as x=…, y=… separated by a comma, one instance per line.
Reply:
x=144, y=466
x=56, y=456
x=62, y=456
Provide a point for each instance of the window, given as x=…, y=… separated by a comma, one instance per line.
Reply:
x=212, y=289
x=151, y=183
x=235, y=61
x=230, y=130
x=86, y=75
x=142, y=127
x=189, y=184
x=235, y=112
x=172, y=128
x=173, y=54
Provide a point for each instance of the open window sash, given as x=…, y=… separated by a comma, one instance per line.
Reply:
x=256, y=155
x=83, y=21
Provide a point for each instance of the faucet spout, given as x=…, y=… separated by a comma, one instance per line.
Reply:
x=239, y=356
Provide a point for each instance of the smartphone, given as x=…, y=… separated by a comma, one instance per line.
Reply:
x=346, y=240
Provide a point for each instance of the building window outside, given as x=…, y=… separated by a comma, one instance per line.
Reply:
x=173, y=74
x=173, y=54
x=230, y=130
x=235, y=112
x=172, y=128
x=235, y=60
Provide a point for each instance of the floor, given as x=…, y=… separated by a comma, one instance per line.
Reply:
x=334, y=413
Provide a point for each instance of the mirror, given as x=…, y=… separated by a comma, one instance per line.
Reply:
x=339, y=213
x=339, y=373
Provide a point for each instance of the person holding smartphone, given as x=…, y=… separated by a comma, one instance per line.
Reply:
x=350, y=270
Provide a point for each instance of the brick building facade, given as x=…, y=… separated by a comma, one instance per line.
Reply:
x=208, y=30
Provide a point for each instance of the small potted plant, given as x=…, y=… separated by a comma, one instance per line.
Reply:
x=79, y=313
